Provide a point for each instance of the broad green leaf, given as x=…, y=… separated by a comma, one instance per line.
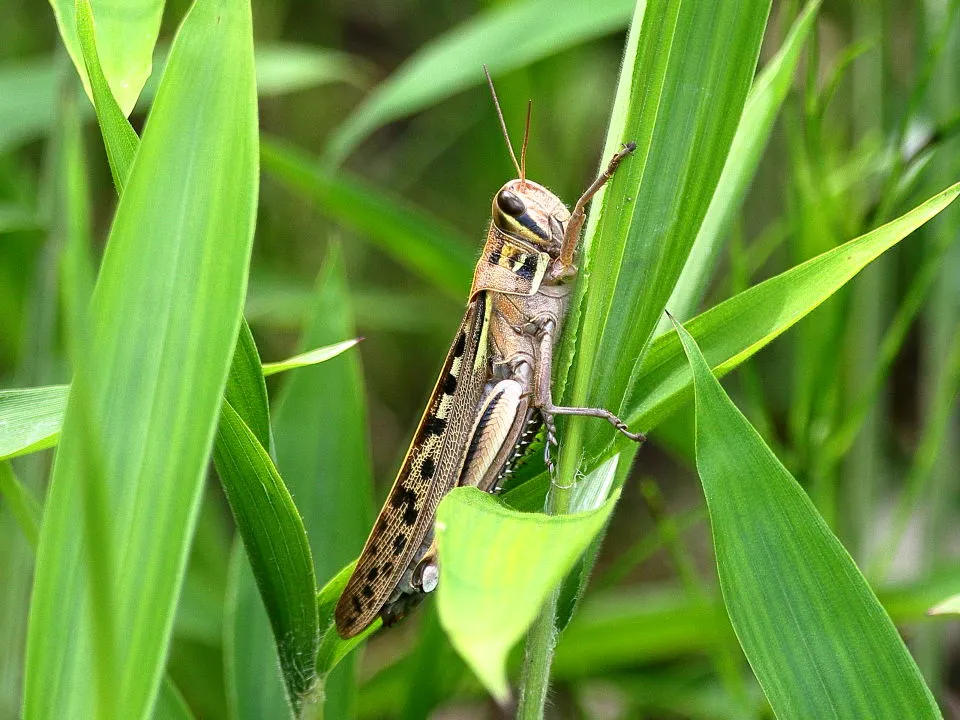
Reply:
x=737, y=328
x=333, y=648
x=147, y=389
x=687, y=70
x=421, y=242
x=23, y=505
x=276, y=545
x=487, y=607
x=30, y=419
x=950, y=606
x=311, y=357
x=120, y=139
x=816, y=636
x=127, y=34
x=504, y=38
x=756, y=124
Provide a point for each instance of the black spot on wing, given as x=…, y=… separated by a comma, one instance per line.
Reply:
x=367, y=591
x=450, y=384
x=428, y=468
x=387, y=567
x=494, y=258
x=410, y=514
x=399, y=543
x=372, y=573
x=460, y=346
x=356, y=604
x=435, y=426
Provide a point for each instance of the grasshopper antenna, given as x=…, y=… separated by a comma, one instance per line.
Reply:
x=503, y=125
x=523, y=148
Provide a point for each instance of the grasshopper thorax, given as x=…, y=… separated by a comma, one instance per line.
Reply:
x=529, y=212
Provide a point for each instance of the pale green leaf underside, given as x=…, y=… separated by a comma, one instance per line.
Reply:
x=816, y=636
x=486, y=607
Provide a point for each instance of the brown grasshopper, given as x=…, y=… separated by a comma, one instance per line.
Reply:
x=493, y=393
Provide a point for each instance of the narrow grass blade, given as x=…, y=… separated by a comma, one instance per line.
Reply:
x=30, y=419
x=119, y=137
x=756, y=124
x=128, y=32
x=246, y=391
x=324, y=450
x=816, y=636
x=29, y=88
x=415, y=239
x=22, y=504
x=737, y=328
x=950, y=606
x=504, y=38
x=170, y=703
x=533, y=551
x=687, y=70
x=311, y=357
x=138, y=431
x=276, y=545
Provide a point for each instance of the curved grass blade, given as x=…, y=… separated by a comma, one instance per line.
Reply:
x=311, y=357
x=734, y=330
x=30, y=419
x=816, y=636
x=128, y=32
x=120, y=139
x=687, y=70
x=276, y=545
x=759, y=114
x=138, y=430
x=505, y=37
x=487, y=607
x=24, y=507
x=428, y=247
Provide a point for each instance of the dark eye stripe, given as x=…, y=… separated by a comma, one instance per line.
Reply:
x=530, y=225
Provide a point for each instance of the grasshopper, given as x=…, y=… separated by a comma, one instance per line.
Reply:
x=493, y=393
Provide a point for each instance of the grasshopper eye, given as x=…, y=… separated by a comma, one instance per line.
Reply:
x=510, y=204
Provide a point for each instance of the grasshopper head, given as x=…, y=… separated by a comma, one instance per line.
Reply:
x=531, y=213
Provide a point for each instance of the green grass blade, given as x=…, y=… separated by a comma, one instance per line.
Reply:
x=759, y=114
x=29, y=88
x=128, y=32
x=486, y=607
x=164, y=319
x=24, y=507
x=505, y=37
x=170, y=703
x=737, y=328
x=427, y=246
x=311, y=357
x=119, y=137
x=276, y=545
x=816, y=636
x=246, y=391
x=687, y=70
x=30, y=419
x=324, y=450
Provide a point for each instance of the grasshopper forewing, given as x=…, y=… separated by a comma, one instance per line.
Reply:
x=493, y=393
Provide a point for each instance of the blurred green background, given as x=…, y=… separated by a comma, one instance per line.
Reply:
x=876, y=73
